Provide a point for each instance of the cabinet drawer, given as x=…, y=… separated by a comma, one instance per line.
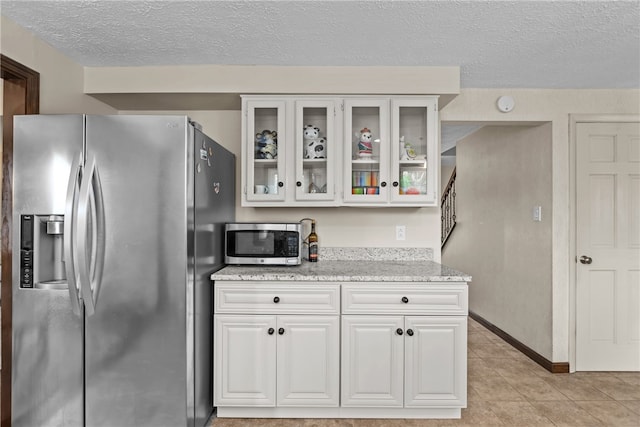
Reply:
x=427, y=299
x=276, y=299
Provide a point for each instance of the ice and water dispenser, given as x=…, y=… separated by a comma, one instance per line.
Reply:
x=41, y=251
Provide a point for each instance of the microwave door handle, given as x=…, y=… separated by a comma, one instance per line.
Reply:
x=91, y=206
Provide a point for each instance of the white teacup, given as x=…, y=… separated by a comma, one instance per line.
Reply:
x=260, y=189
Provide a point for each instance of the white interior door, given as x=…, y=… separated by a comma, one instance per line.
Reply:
x=608, y=247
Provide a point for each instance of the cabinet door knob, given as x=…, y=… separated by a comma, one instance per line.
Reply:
x=395, y=183
x=271, y=331
x=410, y=332
x=586, y=259
x=383, y=184
x=298, y=184
x=280, y=184
x=276, y=299
x=405, y=300
x=399, y=331
x=281, y=331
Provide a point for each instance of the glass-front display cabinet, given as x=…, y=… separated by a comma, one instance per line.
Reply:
x=414, y=150
x=366, y=156
x=315, y=150
x=312, y=150
x=264, y=150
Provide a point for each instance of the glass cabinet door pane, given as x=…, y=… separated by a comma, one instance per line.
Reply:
x=366, y=137
x=315, y=150
x=265, y=150
x=413, y=130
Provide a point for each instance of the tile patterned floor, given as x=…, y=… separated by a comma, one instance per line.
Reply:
x=505, y=388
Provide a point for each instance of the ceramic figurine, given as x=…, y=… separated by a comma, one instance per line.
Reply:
x=314, y=146
x=365, y=147
x=267, y=144
x=406, y=150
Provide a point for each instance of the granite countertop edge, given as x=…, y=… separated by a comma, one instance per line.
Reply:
x=346, y=271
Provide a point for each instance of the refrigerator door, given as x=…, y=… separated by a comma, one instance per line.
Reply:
x=136, y=341
x=47, y=335
x=214, y=206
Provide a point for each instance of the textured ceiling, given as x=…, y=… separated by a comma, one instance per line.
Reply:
x=497, y=44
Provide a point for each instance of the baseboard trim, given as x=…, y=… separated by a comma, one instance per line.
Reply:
x=554, y=368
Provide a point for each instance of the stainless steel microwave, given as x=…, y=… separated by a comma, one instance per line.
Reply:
x=263, y=243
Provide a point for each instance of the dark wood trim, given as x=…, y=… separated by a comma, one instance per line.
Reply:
x=554, y=368
x=12, y=70
x=21, y=95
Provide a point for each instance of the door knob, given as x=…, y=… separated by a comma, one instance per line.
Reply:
x=585, y=259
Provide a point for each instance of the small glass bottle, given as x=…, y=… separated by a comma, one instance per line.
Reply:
x=313, y=243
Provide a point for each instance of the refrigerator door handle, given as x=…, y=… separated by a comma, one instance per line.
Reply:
x=68, y=236
x=91, y=212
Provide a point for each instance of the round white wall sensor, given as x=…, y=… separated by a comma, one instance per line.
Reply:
x=506, y=103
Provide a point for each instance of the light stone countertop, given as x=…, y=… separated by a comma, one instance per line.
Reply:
x=346, y=271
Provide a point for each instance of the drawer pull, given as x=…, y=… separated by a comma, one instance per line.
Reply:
x=405, y=300
x=271, y=331
x=276, y=299
x=399, y=331
x=410, y=332
x=281, y=331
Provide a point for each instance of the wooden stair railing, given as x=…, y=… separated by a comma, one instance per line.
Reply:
x=448, y=209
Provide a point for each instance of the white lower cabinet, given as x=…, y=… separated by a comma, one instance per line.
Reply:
x=276, y=360
x=308, y=361
x=435, y=361
x=372, y=361
x=389, y=350
x=275, y=345
x=397, y=361
x=244, y=361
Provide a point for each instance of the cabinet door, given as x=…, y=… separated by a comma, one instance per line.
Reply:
x=308, y=371
x=366, y=155
x=414, y=150
x=372, y=361
x=436, y=361
x=245, y=362
x=316, y=150
x=265, y=144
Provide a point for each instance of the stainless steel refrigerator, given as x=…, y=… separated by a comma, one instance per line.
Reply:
x=117, y=224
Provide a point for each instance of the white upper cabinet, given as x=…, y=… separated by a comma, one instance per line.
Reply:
x=264, y=151
x=340, y=151
x=316, y=150
x=367, y=150
x=414, y=151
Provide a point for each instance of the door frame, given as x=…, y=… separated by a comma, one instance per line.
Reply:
x=574, y=120
x=28, y=80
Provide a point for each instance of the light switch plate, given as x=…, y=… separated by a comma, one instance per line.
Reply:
x=537, y=213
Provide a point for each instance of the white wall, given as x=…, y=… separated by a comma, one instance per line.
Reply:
x=535, y=106
x=61, y=80
x=502, y=173
x=447, y=165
